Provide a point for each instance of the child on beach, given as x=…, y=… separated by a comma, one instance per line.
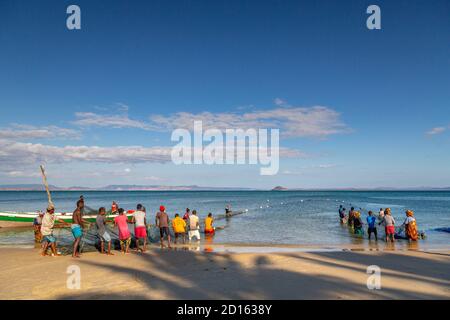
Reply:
x=140, y=229
x=104, y=236
x=371, y=226
x=37, y=222
x=389, y=225
x=179, y=228
x=121, y=221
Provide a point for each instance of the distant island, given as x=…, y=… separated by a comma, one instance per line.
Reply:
x=279, y=188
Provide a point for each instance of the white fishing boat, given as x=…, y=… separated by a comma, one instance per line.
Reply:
x=9, y=219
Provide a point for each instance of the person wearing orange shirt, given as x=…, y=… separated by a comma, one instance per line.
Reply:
x=179, y=228
x=209, y=229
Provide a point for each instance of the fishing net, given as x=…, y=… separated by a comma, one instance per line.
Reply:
x=90, y=240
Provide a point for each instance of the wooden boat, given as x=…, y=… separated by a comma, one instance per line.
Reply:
x=9, y=219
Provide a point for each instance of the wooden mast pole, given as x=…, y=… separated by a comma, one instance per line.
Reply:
x=49, y=196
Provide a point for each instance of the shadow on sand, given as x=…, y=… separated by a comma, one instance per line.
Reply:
x=199, y=275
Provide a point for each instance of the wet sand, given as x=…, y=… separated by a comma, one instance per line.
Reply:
x=228, y=272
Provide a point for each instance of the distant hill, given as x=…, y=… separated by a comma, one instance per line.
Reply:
x=279, y=188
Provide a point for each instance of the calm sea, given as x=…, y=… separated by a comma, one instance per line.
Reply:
x=288, y=217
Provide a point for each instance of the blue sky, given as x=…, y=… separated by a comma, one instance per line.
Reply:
x=385, y=117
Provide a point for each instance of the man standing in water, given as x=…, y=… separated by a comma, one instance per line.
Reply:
x=162, y=221
x=194, y=226
x=77, y=226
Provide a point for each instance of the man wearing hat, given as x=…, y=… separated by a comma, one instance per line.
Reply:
x=162, y=222
x=48, y=223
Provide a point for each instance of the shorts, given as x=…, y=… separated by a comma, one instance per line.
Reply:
x=50, y=238
x=76, y=231
x=194, y=233
x=180, y=234
x=164, y=231
x=390, y=230
x=125, y=242
x=105, y=237
x=140, y=232
x=210, y=231
x=372, y=230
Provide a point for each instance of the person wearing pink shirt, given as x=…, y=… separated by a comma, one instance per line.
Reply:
x=121, y=221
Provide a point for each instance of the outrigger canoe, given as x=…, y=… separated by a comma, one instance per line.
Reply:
x=10, y=219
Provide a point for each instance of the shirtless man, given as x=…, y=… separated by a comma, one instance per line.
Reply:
x=77, y=226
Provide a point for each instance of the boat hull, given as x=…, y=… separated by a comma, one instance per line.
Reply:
x=25, y=220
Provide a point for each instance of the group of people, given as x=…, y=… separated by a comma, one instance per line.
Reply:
x=385, y=218
x=188, y=225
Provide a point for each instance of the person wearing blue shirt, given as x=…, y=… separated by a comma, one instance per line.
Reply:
x=371, y=223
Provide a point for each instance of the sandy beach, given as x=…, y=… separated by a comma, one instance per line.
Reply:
x=227, y=273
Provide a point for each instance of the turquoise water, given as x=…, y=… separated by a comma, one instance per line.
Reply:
x=290, y=217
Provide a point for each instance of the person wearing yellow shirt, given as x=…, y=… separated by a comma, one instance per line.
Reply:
x=179, y=228
x=209, y=229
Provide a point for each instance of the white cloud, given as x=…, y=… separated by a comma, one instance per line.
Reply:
x=151, y=178
x=305, y=169
x=20, y=132
x=326, y=166
x=292, y=121
x=90, y=119
x=279, y=102
x=21, y=174
x=316, y=121
x=122, y=107
x=15, y=153
x=291, y=173
x=20, y=152
x=436, y=130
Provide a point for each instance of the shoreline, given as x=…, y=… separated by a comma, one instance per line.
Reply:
x=256, y=247
x=229, y=271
